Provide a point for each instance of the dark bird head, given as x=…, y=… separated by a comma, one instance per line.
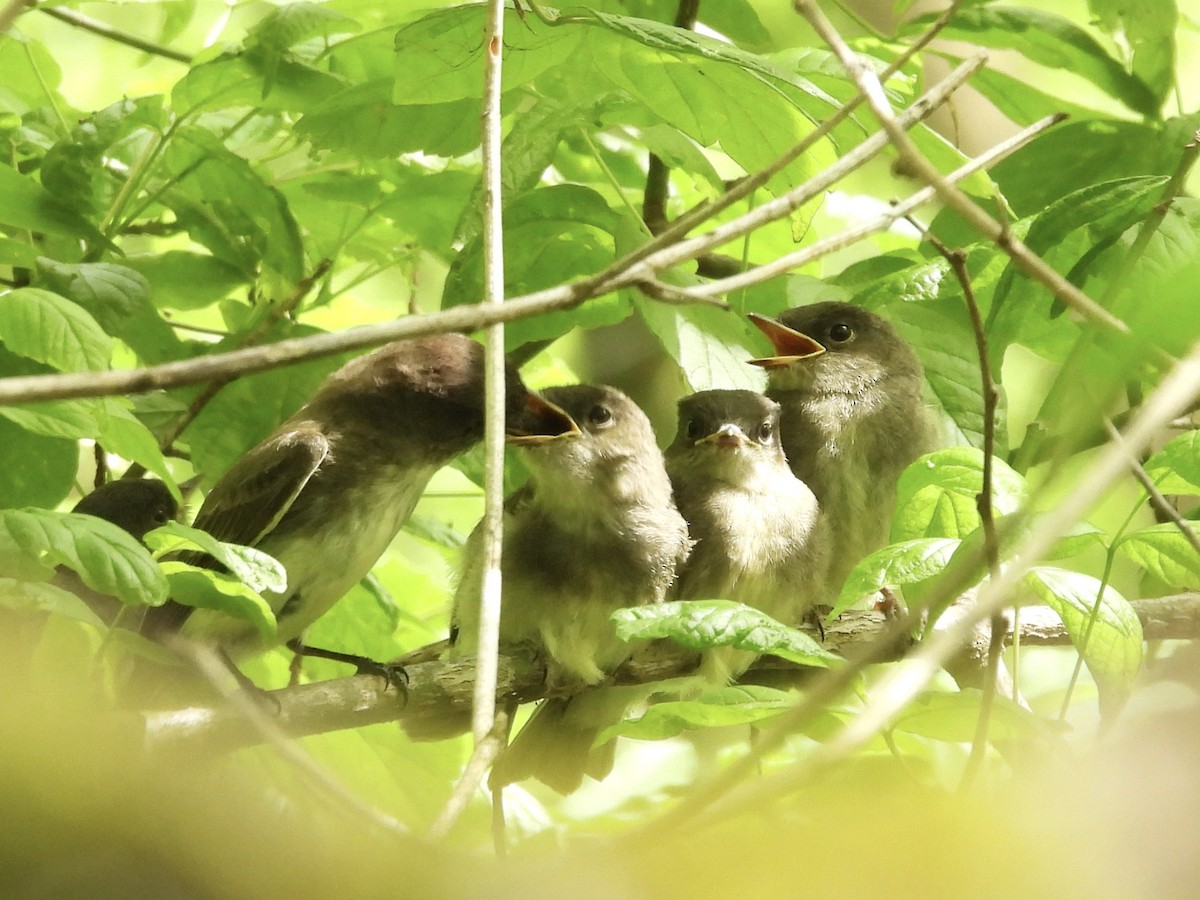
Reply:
x=725, y=433
x=610, y=448
x=833, y=348
x=430, y=389
x=135, y=504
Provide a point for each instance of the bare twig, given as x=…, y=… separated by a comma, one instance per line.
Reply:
x=481, y=760
x=1160, y=503
x=104, y=30
x=11, y=11
x=1028, y=261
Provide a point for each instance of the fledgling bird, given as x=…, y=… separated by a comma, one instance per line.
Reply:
x=852, y=417
x=328, y=490
x=759, y=537
x=593, y=530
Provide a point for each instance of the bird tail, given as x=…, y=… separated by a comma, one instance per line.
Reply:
x=557, y=746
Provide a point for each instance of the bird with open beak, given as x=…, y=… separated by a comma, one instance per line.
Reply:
x=852, y=417
x=594, y=530
x=328, y=490
x=759, y=537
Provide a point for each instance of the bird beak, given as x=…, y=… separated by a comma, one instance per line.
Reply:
x=790, y=345
x=538, y=422
x=728, y=435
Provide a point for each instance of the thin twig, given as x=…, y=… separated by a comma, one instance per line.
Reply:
x=487, y=651
x=11, y=11
x=1160, y=503
x=104, y=30
x=1028, y=261
x=481, y=760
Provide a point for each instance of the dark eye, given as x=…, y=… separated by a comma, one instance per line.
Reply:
x=691, y=430
x=840, y=333
x=765, y=430
x=599, y=415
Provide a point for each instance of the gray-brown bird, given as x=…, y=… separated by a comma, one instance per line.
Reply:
x=328, y=490
x=759, y=537
x=853, y=417
x=594, y=530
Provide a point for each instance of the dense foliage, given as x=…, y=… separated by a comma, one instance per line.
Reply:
x=284, y=170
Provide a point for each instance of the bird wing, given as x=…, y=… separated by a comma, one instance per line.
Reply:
x=260, y=488
x=247, y=503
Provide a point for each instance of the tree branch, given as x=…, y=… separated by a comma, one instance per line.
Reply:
x=104, y=30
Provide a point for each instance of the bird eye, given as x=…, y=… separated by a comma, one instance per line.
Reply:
x=840, y=333
x=765, y=430
x=599, y=415
x=691, y=430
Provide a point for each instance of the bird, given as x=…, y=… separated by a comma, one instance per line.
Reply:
x=594, y=530
x=329, y=489
x=852, y=417
x=760, y=538
x=135, y=505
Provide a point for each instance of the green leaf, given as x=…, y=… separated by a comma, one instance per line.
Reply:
x=1149, y=31
x=954, y=716
x=52, y=330
x=25, y=204
x=25, y=596
x=1175, y=469
x=205, y=589
x=257, y=570
x=118, y=298
x=1052, y=41
x=936, y=496
x=897, y=565
x=709, y=345
x=35, y=470
x=107, y=558
x=698, y=624
x=1021, y=100
x=440, y=57
x=186, y=280
x=1166, y=554
x=733, y=705
x=1113, y=653
x=125, y=435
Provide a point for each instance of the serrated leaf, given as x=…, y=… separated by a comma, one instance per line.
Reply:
x=257, y=570
x=734, y=705
x=206, y=589
x=699, y=624
x=1165, y=553
x=936, y=496
x=1113, y=652
x=896, y=565
x=104, y=556
x=51, y=329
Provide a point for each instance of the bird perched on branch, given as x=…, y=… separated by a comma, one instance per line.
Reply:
x=852, y=417
x=759, y=537
x=328, y=490
x=594, y=530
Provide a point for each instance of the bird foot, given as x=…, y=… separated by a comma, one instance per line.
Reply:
x=394, y=675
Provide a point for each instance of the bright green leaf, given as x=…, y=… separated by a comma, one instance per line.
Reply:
x=257, y=570
x=936, y=496
x=1165, y=553
x=206, y=589
x=734, y=705
x=896, y=565
x=52, y=330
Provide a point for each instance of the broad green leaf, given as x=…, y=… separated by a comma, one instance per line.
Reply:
x=1113, y=653
x=440, y=57
x=104, y=556
x=72, y=419
x=27, y=71
x=17, y=253
x=52, y=330
x=734, y=705
x=125, y=435
x=183, y=279
x=244, y=80
x=35, y=470
x=257, y=570
x=205, y=589
x=118, y=298
x=1021, y=101
x=1166, y=554
x=1176, y=467
x=1148, y=29
x=25, y=204
x=709, y=345
x=25, y=596
x=697, y=624
x=897, y=565
x=1050, y=40
x=937, y=495
x=954, y=716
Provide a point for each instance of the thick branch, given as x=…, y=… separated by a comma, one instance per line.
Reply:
x=439, y=692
